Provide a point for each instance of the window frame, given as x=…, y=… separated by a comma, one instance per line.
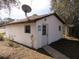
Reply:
x=44, y=31
x=60, y=28
x=27, y=29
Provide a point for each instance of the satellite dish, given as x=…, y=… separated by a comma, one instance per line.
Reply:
x=26, y=8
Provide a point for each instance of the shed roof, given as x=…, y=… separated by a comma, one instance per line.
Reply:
x=35, y=18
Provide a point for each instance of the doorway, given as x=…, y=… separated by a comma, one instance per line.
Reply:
x=44, y=34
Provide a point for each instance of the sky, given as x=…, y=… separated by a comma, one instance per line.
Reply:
x=38, y=7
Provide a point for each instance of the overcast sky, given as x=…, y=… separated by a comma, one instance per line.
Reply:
x=38, y=7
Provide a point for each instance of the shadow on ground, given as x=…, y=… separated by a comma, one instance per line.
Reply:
x=68, y=47
x=41, y=50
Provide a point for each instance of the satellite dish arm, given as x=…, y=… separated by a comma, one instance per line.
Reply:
x=26, y=16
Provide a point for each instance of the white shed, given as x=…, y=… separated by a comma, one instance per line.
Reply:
x=37, y=31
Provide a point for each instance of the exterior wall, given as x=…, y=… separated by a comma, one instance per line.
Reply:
x=17, y=33
x=53, y=30
x=35, y=39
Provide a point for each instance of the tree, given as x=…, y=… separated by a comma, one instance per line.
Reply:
x=68, y=10
x=7, y=4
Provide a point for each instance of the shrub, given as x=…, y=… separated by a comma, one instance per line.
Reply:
x=2, y=36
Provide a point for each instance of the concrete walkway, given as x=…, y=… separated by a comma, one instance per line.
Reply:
x=54, y=53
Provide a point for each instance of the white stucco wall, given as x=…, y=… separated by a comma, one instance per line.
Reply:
x=53, y=30
x=35, y=38
x=17, y=32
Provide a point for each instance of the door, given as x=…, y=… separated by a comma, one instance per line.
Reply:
x=44, y=34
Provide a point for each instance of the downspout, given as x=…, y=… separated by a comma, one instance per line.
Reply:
x=32, y=41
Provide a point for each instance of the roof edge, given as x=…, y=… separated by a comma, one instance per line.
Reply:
x=34, y=20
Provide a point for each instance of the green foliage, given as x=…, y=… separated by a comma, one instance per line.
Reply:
x=66, y=9
x=2, y=36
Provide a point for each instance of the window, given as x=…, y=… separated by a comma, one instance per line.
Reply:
x=27, y=29
x=45, y=19
x=59, y=28
x=39, y=27
x=44, y=30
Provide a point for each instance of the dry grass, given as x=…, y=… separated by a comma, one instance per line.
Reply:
x=19, y=52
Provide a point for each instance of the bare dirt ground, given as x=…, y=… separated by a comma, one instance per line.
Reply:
x=20, y=52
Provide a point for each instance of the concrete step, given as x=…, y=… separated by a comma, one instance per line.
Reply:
x=54, y=53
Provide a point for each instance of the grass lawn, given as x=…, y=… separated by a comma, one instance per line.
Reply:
x=68, y=47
